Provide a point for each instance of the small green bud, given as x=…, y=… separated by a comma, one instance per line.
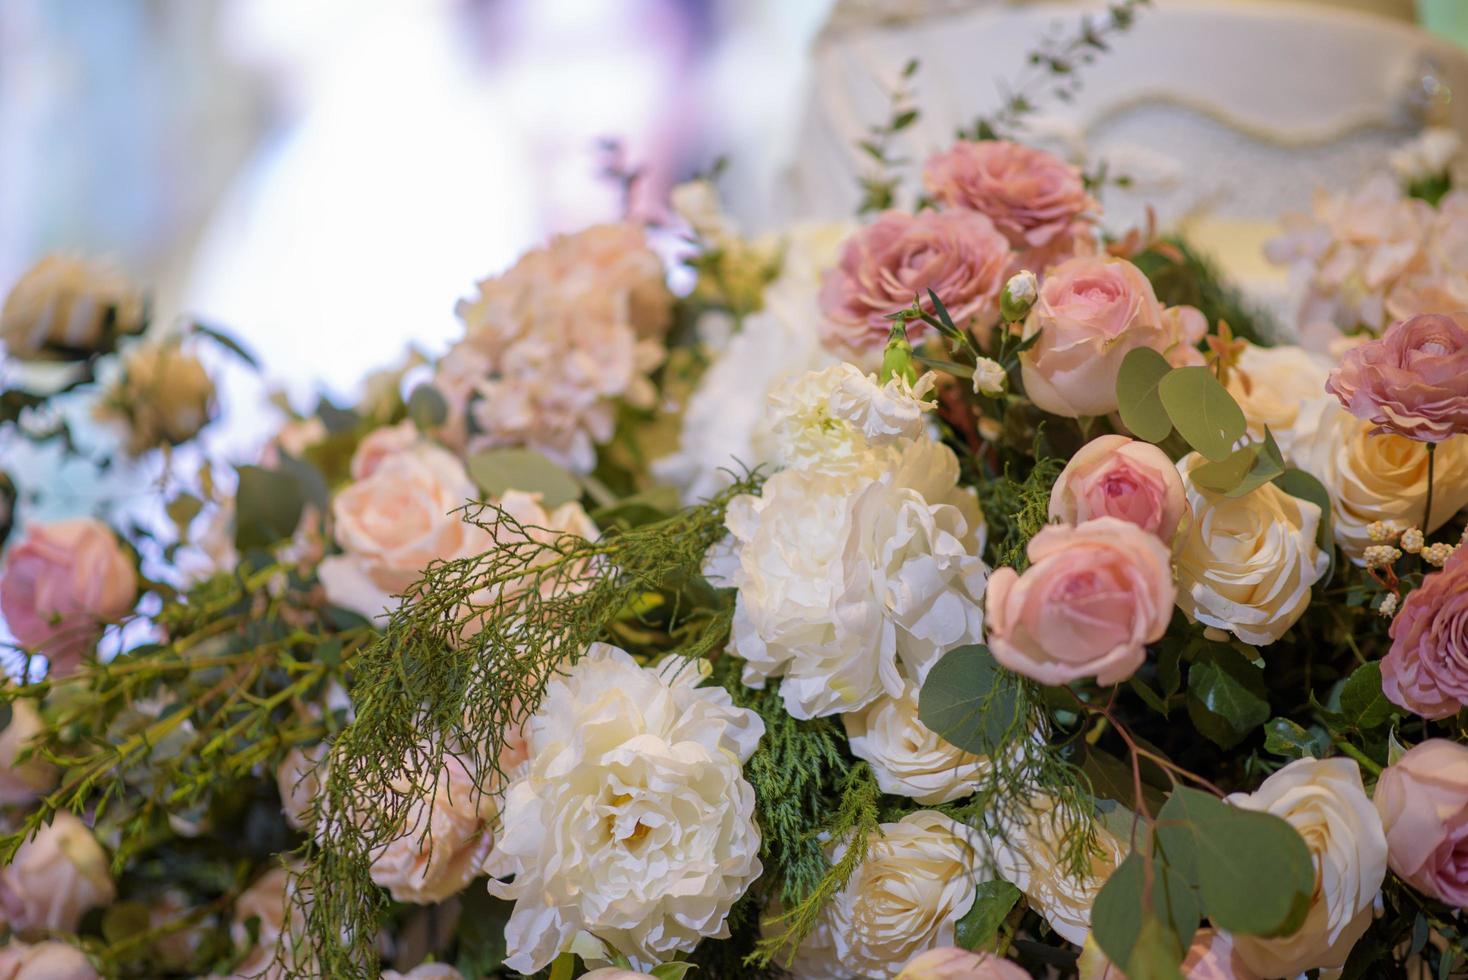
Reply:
x=1018, y=296
x=897, y=356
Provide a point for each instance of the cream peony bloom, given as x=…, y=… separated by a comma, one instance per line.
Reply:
x=633, y=822
x=1375, y=477
x=60, y=309
x=829, y=421
x=841, y=578
x=1270, y=384
x=1246, y=564
x=1325, y=801
x=1032, y=858
x=54, y=878
x=919, y=878
x=22, y=783
x=906, y=756
x=162, y=397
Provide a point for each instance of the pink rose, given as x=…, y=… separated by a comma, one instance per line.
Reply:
x=382, y=443
x=54, y=878
x=952, y=963
x=61, y=584
x=1426, y=670
x=1423, y=802
x=1113, y=476
x=445, y=843
x=957, y=254
x=1092, y=599
x=1035, y=199
x=48, y=960
x=1412, y=381
x=1091, y=313
x=1185, y=327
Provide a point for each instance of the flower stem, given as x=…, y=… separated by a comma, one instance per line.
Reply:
x=1367, y=763
x=1427, y=510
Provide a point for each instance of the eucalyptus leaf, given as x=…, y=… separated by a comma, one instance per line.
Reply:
x=1152, y=957
x=1202, y=411
x=498, y=470
x=1298, y=483
x=1137, y=397
x=969, y=700
x=1119, y=912
x=1226, y=699
x=268, y=506
x=427, y=407
x=993, y=901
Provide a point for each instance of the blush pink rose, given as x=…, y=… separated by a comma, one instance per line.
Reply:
x=61, y=584
x=952, y=963
x=49, y=960
x=1036, y=200
x=957, y=254
x=382, y=443
x=1412, y=381
x=1113, y=476
x=1426, y=669
x=1092, y=599
x=54, y=878
x=1092, y=311
x=1423, y=802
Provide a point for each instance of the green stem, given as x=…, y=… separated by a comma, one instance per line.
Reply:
x=1367, y=763
x=1427, y=510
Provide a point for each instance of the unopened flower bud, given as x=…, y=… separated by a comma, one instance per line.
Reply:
x=897, y=356
x=1438, y=554
x=1380, y=556
x=988, y=377
x=1018, y=296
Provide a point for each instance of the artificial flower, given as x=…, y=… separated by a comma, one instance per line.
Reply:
x=162, y=397
x=1423, y=802
x=1412, y=381
x=49, y=960
x=1426, y=669
x=67, y=307
x=830, y=420
x=23, y=782
x=907, y=757
x=1113, y=476
x=1271, y=383
x=54, y=878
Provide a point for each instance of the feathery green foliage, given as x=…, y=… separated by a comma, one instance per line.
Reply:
x=1017, y=509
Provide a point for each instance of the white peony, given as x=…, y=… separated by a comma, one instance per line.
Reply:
x=1032, y=857
x=1325, y=801
x=830, y=420
x=906, y=756
x=633, y=822
x=1270, y=384
x=919, y=878
x=845, y=580
x=1375, y=477
x=1246, y=564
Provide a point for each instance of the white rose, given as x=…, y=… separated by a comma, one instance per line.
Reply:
x=44, y=961
x=55, y=878
x=830, y=420
x=1031, y=856
x=1375, y=477
x=1325, y=801
x=163, y=396
x=22, y=783
x=839, y=578
x=919, y=878
x=445, y=844
x=60, y=309
x=1246, y=564
x=906, y=756
x=633, y=821
x=989, y=376
x=1270, y=383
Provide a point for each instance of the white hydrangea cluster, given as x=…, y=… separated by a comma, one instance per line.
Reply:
x=859, y=565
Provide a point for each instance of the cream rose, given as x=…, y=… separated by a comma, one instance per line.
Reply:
x=906, y=756
x=1375, y=477
x=271, y=903
x=44, y=961
x=1031, y=856
x=1246, y=564
x=67, y=307
x=55, y=877
x=163, y=397
x=1271, y=383
x=919, y=878
x=298, y=779
x=1113, y=476
x=22, y=783
x=1325, y=801
x=445, y=844
x=1423, y=802
x=633, y=821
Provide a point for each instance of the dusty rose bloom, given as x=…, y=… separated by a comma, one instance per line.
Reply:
x=61, y=583
x=1423, y=802
x=1036, y=200
x=957, y=254
x=1413, y=381
x=1113, y=476
x=55, y=878
x=1426, y=670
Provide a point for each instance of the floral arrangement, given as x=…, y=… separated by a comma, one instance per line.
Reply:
x=967, y=591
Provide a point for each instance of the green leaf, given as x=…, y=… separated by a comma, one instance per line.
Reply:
x=124, y=920
x=970, y=701
x=993, y=901
x=182, y=510
x=672, y=970
x=229, y=343
x=1226, y=698
x=1244, y=470
x=268, y=506
x=1137, y=397
x=498, y=470
x=1284, y=738
x=1253, y=870
x=427, y=408
x=1202, y=411
x=1119, y=913
x=1152, y=957
x=942, y=313
x=1298, y=483
x=1362, y=700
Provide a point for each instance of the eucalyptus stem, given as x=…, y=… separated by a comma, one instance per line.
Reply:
x=1427, y=510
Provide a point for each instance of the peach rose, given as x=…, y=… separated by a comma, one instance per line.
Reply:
x=957, y=254
x=21, y=783
x=391, y=524
x=1423, y=802
x=380, y=444
x=1426, y=669
x=62, y=582
x=952, y=963
x=1412, y=381
x=1092, y=599
x=1113, y=476
x=55, y=877
x=1091, y=313
x=1036, y=200
x=446, y=842
x=1270, y=384
x=44, y=961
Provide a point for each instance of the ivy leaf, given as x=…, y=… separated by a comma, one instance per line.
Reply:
x=498, y=470
x=993, y=901
x=1137, y=397
x=1118, y=917
x=1202, y=411
x=1227, y=698
x=1253, y=870
x=969, y=700
x=1362, y=700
